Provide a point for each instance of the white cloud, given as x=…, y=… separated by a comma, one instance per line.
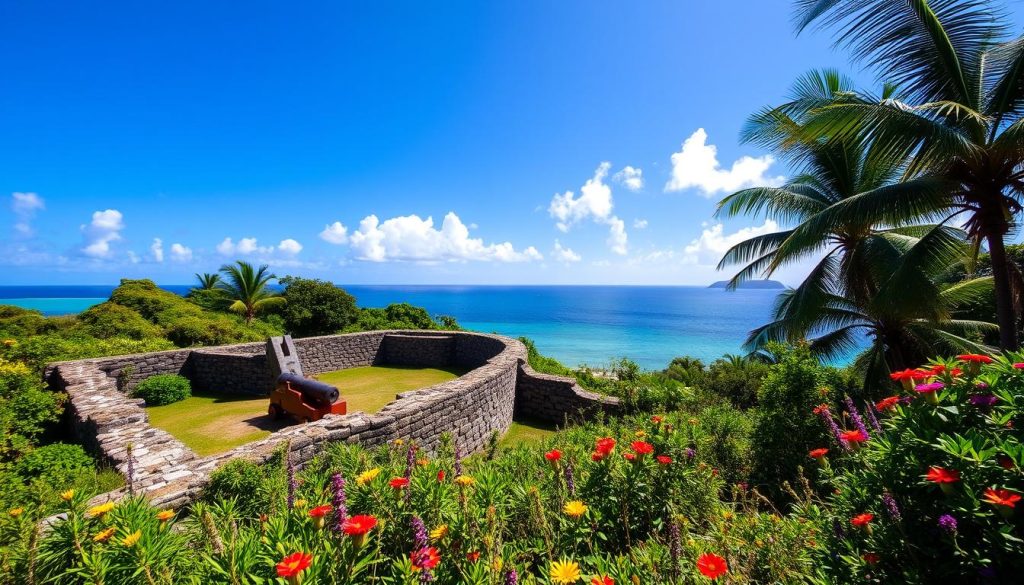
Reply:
x=180, y=253
x=594, y=203
x=247, y=247
x=335, y=233
x=631, y=178
x=25, y=206
x=617, y=235
x=226, y=247
x=566, y=255
x=410, y=238
x=103, y=230
x=289, y=247
x=713, y=242
x=157, y=250
x=639, y=224
x=697, y=165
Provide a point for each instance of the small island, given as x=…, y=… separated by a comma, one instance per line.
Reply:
x=751, y=284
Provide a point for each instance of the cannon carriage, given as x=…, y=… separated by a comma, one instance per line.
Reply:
x=304, y=399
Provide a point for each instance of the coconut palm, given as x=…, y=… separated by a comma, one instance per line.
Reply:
x=247, y=287
x=959, y=118
x=207, y=281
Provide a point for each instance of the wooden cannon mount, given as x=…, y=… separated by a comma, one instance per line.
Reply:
x=304, y=399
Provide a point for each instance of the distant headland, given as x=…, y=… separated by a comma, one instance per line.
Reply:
x=751, y=284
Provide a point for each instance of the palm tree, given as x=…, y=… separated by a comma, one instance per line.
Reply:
x=960, y=116
x=207, y=281
x=247, y=286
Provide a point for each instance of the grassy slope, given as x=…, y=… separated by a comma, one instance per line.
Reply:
x=371, y=388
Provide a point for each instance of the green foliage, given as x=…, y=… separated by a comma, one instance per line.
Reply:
x=53, y=462
x=395, y=316
x=253, y=488
x=27, y=411
x=248, y=288
x=108, y=319
x=163, y=389
x=211, y=299
x=316, y=307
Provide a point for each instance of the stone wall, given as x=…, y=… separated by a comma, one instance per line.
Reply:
x=472, y=407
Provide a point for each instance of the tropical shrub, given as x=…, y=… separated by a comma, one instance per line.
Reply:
x=316, y=307
x=53, y=462
x=163, y=389
x=395, y=316
x=251, y=487
x=108, y=319
x=931, y=494
x=736, y=379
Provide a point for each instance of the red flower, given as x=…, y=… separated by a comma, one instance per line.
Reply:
x=871, y=558
x=319, y=511
x=629, y=456
x=657, y=419
x=604, y=580
x=854, y=436
x=942, y=475
x=605, y=446
x=909, y=375
x=293, y=564
x=711, y=565
x=1018, y=366
x=1001, y=497
x=440, y=475
x=357, y=525
x=887, y=403
x=664, y=459
x=862, y=520
x=975, y=358
x=473, y=556
x=818, y=453
x=399, y=483
x=595, y=456
x=425, y=558
x=1005, y=462
x=820, y=408
x=553, y=455
x=642, y=447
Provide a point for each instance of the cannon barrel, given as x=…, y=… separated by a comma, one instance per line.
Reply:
x=313, y=389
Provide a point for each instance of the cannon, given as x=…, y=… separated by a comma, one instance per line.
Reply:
x=304, y=399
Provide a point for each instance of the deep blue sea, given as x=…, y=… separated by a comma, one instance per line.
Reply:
x=589, y=325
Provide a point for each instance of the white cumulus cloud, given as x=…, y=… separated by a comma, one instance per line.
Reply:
x=713, y=242
x=335, y=233
x=639, y=224
x=156, y=249
x=180, y=253
x=631, y=178
x=697, y=165
x=617, y=237
x=104, y=229
x=563, y=254
x=411, y=238
x=252, y=247
x=25, y=206
x=594, y=203
x=289, y=247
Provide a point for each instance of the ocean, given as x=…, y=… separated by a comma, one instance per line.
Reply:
x=578, y=325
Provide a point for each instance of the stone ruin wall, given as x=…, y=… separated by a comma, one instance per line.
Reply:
x=500, y=384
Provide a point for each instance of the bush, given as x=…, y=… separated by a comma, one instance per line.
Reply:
x=394, y=316
x=316, y=307
x=108, y=319
x=163, y=389
x=738, y=380
x=254, y=488
x=968, y=434
x=54, y=463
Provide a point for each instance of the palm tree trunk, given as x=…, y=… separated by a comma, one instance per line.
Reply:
x=1005, y=314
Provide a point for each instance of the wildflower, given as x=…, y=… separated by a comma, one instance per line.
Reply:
x=863, y=521
x=439, y=532
x=819, y=455
x=338, y=500
x=67, y=495
x=570, y=482
x=664, y=459
x=100, y=510
x=642, y=447
x=1004, y=500
x=358, y=527
x=425, y=559
x=870, y=409
x=820, y=408
x=629, y=456
x=300, y=503
x=602, y=580
x=854, y=437
x=15, y=512
x=891, y=507
x=565, y=572
x=103, y=535
x=473, y=556
x=419, y=532
x=10, y=342
x=675, y=547
x=944, y=477
x=457, y=467
x=640, y=434
x=871, y=558
x=511, y=577
x=399, y=483
x=948, y=524
x=553, y=456
x=293, y=482
x=440, y=476
x=574, y=508
x=604, y=446
x=712, y=566
x=292, y=565
x=423, y=462
x=656, y=419
x=983, y=401
x=690, y=453
x=976, y=358
x=319, y=514
x=367, y=476
x=1005, y=462
x=1018, y=366
x=693, y=421
x=130, y=540
x=851, y=410
x=887, y=403
x=465, y=480
x=826, y=416
x=164, y=515
x=398, y=442
x=908, y=377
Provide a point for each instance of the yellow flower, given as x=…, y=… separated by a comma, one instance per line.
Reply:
x=132, y=538
x=367, y=476
x=16, y=511
x=640, y=434
x=164, y=515
x=66, y=496
x=423, y=462
x=103, y=535
x=300, y=503
x=439, y=532
x=399, y=442
x=464, y=480
x=575, y=508
x=693, y=421
x=98, y=511
x=565, y=572
x=497, y=564
x=10, y=342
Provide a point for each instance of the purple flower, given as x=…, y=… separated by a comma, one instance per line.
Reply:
x=570, y=482
x=419, y=533
x=458, y=461
x=983, y=400
x=948, y=524
x=690, y=453
x=131, y=471
x=930, y=387
x=870, y=409
x=838, y=530
x=511, y=577
x=981, y=386
x=293, y=482
x=855, y=417
x=675, y=547
x=832, y=426
x=338, y=500
x=410, y=463
x=891, y=506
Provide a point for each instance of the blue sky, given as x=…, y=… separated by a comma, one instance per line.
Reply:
x=157, y=140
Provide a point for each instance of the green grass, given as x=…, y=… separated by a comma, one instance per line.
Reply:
x=210, y=424
x=371, y=388
x=525, y=432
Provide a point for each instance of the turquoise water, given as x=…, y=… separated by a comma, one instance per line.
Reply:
x=576, y=324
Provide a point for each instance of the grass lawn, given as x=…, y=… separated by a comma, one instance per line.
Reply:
x=210, y=424
x=524, y=432
x=371, y=388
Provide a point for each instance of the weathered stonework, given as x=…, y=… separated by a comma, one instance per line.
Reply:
x=472, y=407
